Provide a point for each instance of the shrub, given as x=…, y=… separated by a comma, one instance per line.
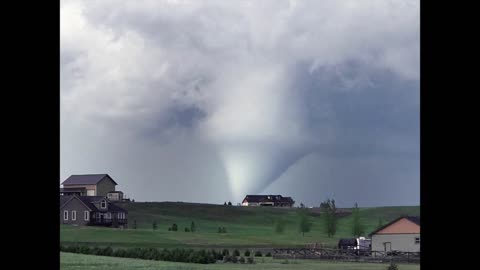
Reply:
x=247, y=253
x=154, y=225
x=192, y=227
x=174, y=227
x=250, y=260
x=227, y=258
x=224, y=230
x=169, y=229
x=268, y=254
x=119, y=253
x=107, y=251
x=84, y=250
x=96, y=251
x=392, y=266
x=187, y=229
x=241, y=260
x=234, y=259
x=236, y=252
x=258, y=253
x=225, y=252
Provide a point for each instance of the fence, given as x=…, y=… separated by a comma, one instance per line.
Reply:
x=346, y=255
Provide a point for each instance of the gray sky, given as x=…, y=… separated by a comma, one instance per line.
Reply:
x=206, y=101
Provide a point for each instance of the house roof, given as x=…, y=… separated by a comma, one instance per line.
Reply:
x=90, y=201
x=72, y=189
x=86, y=179
x=414, y=219
x=267, y=198
x=115, y=192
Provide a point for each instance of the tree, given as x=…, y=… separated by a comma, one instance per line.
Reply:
x=330, y=212
x=192, y=227
x=302, y=205
x=174, y=227
x=380, y=222
x=154, y=225
x=225, y=203
x=357, y=227
x=279, y=226
x=304, y=224
x=230, y=203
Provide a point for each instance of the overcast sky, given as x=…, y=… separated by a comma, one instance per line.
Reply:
x=207, y=101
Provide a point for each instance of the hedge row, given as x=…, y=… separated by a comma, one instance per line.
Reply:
x=174, y=255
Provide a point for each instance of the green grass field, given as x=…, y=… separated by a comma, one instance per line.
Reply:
x=69, y=261
x=247, y=227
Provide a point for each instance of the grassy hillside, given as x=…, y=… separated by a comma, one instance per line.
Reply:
x=246, y=226
x=69, y=261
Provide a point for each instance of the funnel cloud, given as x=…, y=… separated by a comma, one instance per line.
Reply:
x=207, y=101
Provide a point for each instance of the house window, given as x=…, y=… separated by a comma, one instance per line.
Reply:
x=65, y=215
x=103, y=204
x=74, y=215
x=86, y=215
x=417, y=240
x=108, y=216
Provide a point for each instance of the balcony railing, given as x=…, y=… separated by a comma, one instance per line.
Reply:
x=107, y=221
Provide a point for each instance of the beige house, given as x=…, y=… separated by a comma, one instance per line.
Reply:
x=115, y=195
x=88, y=185
x=402, y=234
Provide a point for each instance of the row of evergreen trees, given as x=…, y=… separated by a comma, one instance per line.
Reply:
x=330, y=219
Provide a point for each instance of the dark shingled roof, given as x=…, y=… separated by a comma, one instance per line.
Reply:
x=90, y=201
x=414, y=219
x=63, y=200
x=264, y=198
x=86, y=179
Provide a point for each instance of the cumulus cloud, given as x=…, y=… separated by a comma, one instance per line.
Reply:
x=258, y=85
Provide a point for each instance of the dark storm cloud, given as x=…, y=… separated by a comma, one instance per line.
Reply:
x=216, y=99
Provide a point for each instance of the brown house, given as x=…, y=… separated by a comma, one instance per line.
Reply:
x=91, y=210
x=88, y=185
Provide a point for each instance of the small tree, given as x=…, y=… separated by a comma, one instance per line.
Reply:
x=229, y=203
x=134, y=224
x=302, y=205
x=280, y=226
x=380, y=222
x=247, y=253
x=192, y=227
x=304, y=224
x=330, y=212
x=174, y=227
x=154, y=225
x=225, y=203
x=241, y=260
x=236, y=252
x=392, y=266
x=357, y=227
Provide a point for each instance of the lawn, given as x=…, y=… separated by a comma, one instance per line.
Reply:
x=69, y=261
x=247, y=227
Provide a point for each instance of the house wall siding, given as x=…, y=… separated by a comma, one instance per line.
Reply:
x=74, y=205
x=400, y=242
x=87, y=187
x=104, y=186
